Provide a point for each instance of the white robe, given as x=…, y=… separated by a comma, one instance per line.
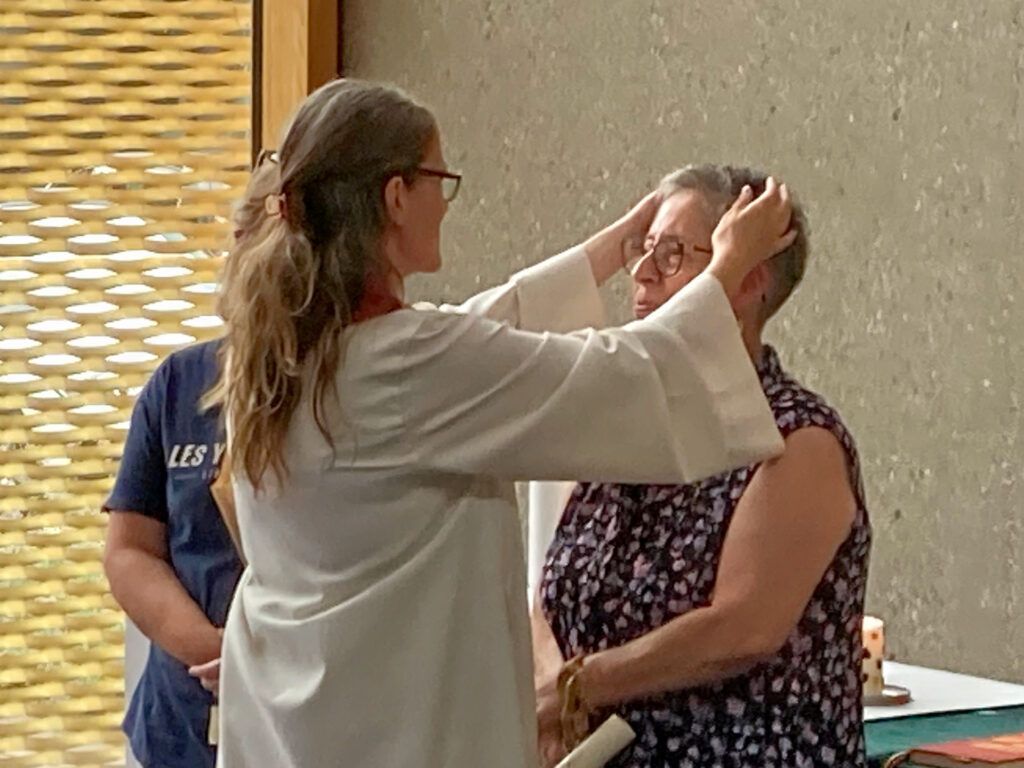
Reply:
x=381, y=621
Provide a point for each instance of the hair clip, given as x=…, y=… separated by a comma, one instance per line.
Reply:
x=264, y=156
x=276, y=205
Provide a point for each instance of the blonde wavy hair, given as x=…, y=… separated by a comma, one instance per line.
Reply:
x=307, y=234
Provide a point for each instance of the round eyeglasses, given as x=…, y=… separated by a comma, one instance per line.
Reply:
x=669, y=254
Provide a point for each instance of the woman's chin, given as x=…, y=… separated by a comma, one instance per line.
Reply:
x=432, y=263
x=424, y=266
x=640, y=311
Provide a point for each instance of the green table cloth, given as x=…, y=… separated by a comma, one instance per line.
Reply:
x=887, y=737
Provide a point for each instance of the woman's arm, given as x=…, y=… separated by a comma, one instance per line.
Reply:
x=547, y=661
x=787, y=527
x=668, y=399
x=146, y=587
x=560, y=293
x=547, y=656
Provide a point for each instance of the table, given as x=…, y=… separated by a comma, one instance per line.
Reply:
x=887, y=737
x=946, y=705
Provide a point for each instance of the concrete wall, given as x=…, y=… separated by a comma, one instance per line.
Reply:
x=899, y=126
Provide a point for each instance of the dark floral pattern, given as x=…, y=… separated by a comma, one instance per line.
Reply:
x=628, y=558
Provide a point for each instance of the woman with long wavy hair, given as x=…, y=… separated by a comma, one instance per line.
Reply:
x=381, y=620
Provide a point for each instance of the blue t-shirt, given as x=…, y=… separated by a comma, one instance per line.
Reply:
x=170, y=457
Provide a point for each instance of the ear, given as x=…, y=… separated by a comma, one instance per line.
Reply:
x=753, y=289
x=396, y=200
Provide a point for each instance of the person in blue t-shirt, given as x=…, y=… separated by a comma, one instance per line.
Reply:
x=170, y=560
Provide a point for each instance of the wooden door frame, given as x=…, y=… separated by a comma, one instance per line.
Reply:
x=297, y=47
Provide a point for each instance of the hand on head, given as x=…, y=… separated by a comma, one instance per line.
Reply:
x=604, y=249
x=638, y=219
x=750, y=232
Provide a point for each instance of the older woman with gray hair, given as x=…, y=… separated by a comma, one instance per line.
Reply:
x=720, y=618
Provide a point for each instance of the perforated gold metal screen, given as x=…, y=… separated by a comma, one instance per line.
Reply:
x=123, y=141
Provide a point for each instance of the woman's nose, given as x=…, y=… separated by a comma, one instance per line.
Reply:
x=645, y=270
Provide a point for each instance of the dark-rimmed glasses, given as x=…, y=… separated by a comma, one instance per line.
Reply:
x=450, y=182
x=669, y=254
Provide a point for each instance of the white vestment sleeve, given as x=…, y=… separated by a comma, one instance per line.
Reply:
x=558, y=294
x=668, y=399
x=545, y=503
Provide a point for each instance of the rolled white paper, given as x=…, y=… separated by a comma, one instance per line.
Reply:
x=873, y=639
x=213, y=729
x=610, y=738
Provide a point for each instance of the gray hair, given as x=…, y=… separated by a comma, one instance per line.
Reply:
x=718, y=187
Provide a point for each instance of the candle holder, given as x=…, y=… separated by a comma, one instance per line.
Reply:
x=876, y=692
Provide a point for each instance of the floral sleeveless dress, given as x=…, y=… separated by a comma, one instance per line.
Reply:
x=627, y=559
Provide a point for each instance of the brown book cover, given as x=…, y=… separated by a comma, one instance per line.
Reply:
x=1006, y=751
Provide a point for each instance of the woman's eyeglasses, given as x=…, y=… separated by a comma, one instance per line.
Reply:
x=669, y=254
x=450, y=182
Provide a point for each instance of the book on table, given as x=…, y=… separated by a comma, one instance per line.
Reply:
x=1004, y=751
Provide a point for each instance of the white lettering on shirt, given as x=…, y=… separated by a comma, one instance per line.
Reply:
x=191, y=455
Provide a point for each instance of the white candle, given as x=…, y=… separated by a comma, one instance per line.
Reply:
x=873, y=639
